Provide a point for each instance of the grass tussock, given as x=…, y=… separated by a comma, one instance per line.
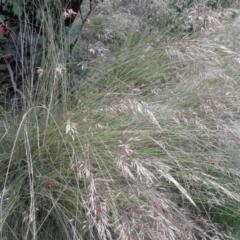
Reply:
x=145, y=146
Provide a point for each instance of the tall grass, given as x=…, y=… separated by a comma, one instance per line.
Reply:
x=145, y=146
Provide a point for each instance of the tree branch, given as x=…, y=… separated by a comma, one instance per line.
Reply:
x=92, y=5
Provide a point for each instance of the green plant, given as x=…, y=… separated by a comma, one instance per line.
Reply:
x=144, y=147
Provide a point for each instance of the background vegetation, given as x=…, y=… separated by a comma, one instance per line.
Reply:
x=135, y=134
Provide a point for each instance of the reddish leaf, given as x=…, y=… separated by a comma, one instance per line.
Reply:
x=1, y=31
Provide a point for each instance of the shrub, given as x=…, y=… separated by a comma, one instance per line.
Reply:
x=144, y=147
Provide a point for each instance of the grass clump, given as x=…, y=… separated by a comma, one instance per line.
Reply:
x=144, y=147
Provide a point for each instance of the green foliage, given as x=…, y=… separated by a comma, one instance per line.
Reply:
x=229, y=3
x=144, y=146
x=16, y=6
